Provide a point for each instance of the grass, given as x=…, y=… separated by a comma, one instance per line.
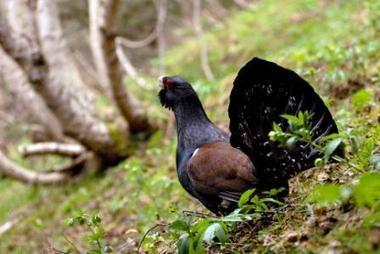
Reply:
x=332, y=44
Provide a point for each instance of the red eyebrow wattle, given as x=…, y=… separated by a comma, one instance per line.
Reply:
x=167, y=81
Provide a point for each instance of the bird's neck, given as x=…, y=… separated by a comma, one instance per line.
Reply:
x=189, y=113
x=194, y=128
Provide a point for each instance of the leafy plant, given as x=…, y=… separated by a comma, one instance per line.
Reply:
x=195, y=233
x=194, y=236
x=251, y=202
x=95, y=232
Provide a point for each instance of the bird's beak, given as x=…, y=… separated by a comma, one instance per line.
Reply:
x=161, y=81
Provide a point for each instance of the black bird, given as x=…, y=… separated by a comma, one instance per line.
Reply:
x=217, y=167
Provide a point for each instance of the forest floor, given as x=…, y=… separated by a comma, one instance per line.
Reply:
x=335, y=46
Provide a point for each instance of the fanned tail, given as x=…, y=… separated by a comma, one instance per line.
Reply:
x=262, y=92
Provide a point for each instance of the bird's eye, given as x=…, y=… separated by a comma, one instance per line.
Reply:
x=168, y=82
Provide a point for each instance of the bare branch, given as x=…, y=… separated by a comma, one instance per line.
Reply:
x=103, y=14
x=242, y=3
x=12, y=169
x=128, y=67
x=8, y=225
x=161, y=14
x=88, y=73
x=74, y=167
x=217, y=8
x=71, y=150
x=202, y=42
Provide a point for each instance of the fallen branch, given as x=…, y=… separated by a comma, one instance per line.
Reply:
x=12, y=169
x=71, y=150
x=8, y=225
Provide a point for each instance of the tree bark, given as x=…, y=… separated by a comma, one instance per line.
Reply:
x=16, y=82
x=40, y=49
x=40, y=71
x=103, y=14
x=65, y=87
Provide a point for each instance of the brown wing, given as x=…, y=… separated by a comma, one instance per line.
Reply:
x=218, y=168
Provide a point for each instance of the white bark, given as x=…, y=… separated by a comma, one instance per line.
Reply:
x=128, y=66
x=65, y=91
x=102, y=14
x=12, y=169
x=38, y=46
x=71, y=150
x=16, y=82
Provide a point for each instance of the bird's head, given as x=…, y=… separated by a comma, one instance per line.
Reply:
x=174, y=90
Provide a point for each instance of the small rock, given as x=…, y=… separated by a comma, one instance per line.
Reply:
x=374, y=237
x=323, y=177
x=334, y=244
x=292, y=237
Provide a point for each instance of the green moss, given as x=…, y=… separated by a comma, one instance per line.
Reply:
x=121, y=143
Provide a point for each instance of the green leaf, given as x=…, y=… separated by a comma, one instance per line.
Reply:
x=183, y=244
x=365, y=152
x=291, y=119
x=274, y=191
x=96, y=220
x=367, y=191
x=277, y=127
x=319, y=162
x=325, y=195
x=291, y=142
x=236, y=216
x=271, y=200
x=179, y=225
x=362, y=98
x=331, y=147
x=372, y=220
x=212, y=231
x=244, y=198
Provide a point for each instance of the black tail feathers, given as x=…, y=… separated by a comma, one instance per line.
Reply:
x=262, y=92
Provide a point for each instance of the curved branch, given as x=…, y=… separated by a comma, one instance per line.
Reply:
x=71, y=150
x=102, y=18
x=12, y=169
x=127, y=65
x=160, y=20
